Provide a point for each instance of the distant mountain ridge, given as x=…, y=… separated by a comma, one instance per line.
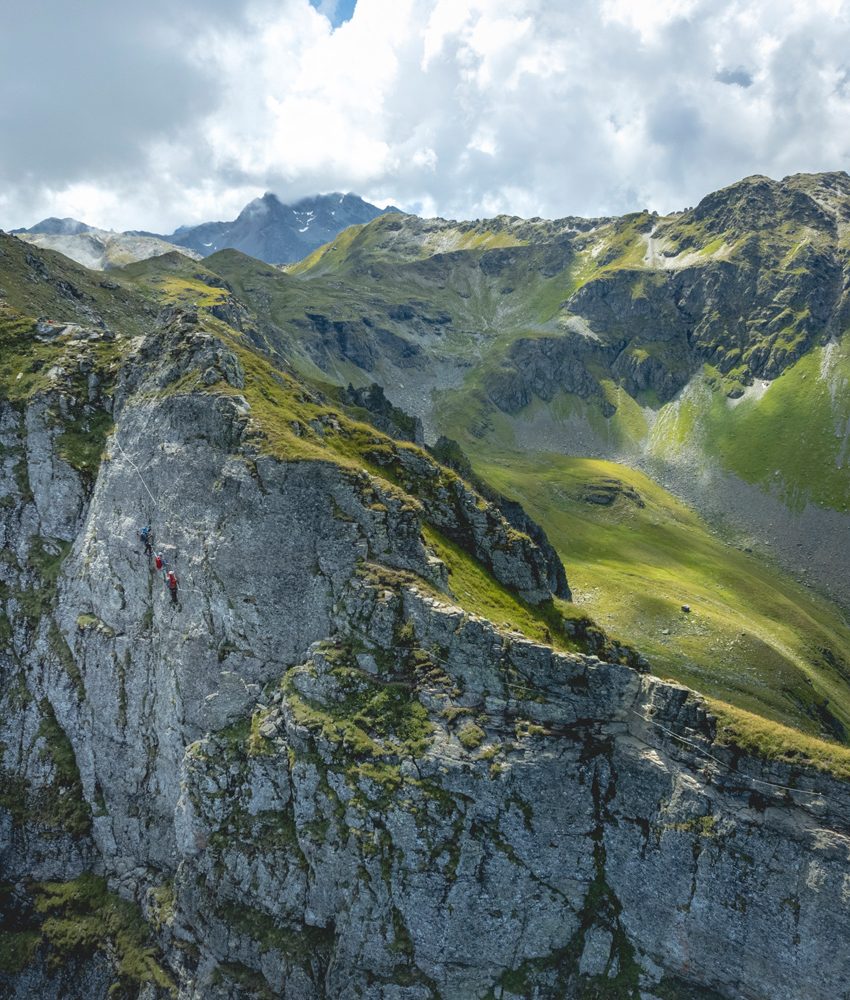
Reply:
x=97, y=249
x=278, y=233
x=266, y=228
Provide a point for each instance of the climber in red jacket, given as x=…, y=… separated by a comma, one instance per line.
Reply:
x=171, y=580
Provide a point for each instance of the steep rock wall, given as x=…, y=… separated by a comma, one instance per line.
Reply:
x=568, y=846
x=319, y=778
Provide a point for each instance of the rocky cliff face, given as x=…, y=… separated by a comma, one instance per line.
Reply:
x=316, y=776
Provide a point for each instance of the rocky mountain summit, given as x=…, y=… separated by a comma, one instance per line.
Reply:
x=372, y=750
x=277, y=233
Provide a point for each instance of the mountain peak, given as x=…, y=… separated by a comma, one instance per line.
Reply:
x=57, y=227
x=755, y=203
x=277, y=232
x=256, y=208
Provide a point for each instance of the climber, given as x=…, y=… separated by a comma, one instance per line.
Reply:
x=146, y=535
x=171, y=581
x=159, y=562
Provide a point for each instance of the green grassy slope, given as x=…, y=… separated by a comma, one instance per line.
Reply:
x=791, y=436
x=409, y=238
x=38, y=283
x=752, y=638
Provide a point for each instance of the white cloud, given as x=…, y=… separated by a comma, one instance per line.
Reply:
x=646, y=17
x=457, y=107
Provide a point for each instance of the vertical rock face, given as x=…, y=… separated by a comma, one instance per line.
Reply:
x=315, y=776
x=569, y=849
x=260, y=568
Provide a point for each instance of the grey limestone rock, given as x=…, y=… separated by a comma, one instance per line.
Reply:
x=231, y=700
x=342, y=784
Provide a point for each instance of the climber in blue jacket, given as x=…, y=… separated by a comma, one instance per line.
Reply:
x=146, y=536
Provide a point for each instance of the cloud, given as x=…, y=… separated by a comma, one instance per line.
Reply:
x=739, y=77
x=155, y=116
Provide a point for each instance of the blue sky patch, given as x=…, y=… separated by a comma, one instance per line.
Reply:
x=336, y=11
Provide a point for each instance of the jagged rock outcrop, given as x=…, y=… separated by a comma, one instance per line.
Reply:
x=449, y=453
x=360, y=341
x=655, y=331
x=382, y=414
x=543, y=366
x=315, y=776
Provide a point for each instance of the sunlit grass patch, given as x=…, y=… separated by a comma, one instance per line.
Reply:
x=763, y=738
x=752, y=637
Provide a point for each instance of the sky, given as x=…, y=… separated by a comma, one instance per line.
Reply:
x=149, y=116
